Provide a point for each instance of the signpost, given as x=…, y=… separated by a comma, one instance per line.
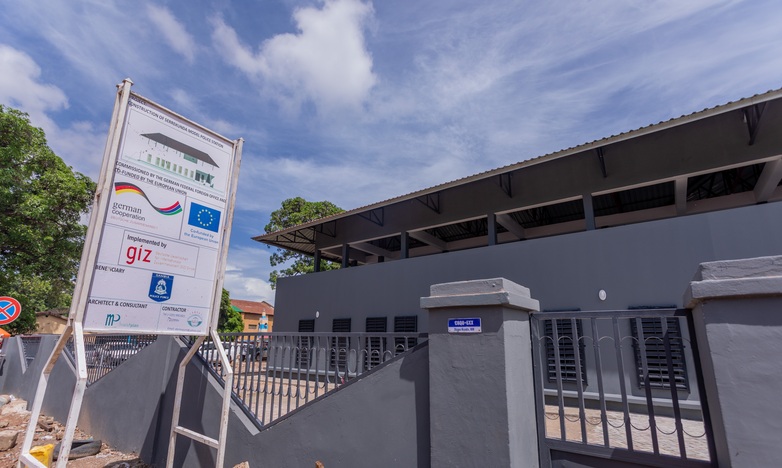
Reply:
x=10, y=310
x=156, y=247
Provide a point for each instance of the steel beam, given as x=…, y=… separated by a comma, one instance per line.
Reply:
x=427, y=238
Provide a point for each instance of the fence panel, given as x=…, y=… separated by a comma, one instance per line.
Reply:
x=276, y=373
x=621, y=384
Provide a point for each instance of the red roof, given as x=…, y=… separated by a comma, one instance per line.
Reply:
x=252, y=307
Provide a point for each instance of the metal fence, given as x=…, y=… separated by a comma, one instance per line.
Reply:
x=277, y=373
x=104, y=353
x=621, y=384
x=30, y=346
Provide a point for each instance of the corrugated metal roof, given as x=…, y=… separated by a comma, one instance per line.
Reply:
x=652, y=128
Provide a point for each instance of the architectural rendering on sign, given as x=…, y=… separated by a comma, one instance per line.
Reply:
x=179, y=159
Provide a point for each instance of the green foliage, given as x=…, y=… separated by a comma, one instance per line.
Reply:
x=230, y=321
x=41, y=204
x=295, y=211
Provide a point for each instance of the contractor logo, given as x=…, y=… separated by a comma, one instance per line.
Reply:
x=204, y=217
x=194, y=321
x=127, y=187
x=112, y=319
x=160, y=287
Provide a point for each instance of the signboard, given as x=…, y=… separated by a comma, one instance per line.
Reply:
x=10, y=310
x=159, y=254
x=464, y=325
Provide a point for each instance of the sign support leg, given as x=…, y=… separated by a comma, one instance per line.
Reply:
x=176, y=429
x=25, y=459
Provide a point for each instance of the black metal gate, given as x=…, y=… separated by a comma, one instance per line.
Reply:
x=620, y=388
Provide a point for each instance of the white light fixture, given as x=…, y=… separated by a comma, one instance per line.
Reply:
x=602, y=294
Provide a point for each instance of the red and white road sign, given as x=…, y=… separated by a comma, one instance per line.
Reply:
x=10, y=310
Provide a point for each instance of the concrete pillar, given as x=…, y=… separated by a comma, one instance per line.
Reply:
x=481, y=386
x=737, y=313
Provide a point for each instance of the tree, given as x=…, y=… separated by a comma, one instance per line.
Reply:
x=295, y=211
x=42, y=201
x=230, y=321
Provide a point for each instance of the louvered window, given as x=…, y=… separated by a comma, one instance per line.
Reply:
x=405, y=324
x=305, y=343
x=656, y=360
x=567, y=350
x=375, y=345
x=340, y=344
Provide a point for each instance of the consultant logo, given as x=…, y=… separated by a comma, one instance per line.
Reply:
x=127, y=187
x=112, y=319
x=160, y=287
x=204, y=217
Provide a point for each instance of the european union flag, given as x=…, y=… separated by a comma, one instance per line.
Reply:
x=204, y=217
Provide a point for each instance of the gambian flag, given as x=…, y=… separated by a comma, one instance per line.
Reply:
x=127, y=187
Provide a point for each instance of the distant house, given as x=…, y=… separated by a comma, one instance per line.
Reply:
x=52, y=321
x=257, y=316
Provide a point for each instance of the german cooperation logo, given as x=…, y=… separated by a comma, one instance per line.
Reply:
x=127, y=187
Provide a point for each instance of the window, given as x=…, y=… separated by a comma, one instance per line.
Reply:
x=405, y=324
x=149, y=158
x=305, y=343
x=252, y=326
x=340, y=344
x=375, y=345
x=656, y=359
x=567, y=350
x=190, y=158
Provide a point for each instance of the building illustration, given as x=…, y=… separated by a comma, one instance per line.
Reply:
x=177, y=158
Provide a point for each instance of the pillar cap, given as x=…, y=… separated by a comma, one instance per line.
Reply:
x=485, y=292
x=761, y=276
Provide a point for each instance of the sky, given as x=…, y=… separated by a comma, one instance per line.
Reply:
x=356, y=101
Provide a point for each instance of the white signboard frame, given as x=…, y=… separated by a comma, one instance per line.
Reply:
x=174, y=251
x=166, y=226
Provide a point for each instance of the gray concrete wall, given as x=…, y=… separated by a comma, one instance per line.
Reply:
x=14, y=379
x=637, y=265
x=642, y=264
x=382, y=417
x=738, y=319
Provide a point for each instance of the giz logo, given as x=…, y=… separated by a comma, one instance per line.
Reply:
x=111, y=319
x=137, y=254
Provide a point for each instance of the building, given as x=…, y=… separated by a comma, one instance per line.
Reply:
x=612, y=224
x=53, y=321
x=615, y=224
x=257, y=316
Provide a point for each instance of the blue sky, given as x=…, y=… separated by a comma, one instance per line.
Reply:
x=355, y=101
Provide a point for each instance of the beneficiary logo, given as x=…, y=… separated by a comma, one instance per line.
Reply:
x=204, y=217
x=127, y=187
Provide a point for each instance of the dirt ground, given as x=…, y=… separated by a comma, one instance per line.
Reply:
x=15, y=417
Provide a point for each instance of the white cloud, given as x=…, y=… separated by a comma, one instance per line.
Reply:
x=173, y=31
x=20, y=87
x=325, y=62
x=81, y=144
x=247, y=272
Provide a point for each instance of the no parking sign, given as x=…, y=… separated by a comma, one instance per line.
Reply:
x=10, y=310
